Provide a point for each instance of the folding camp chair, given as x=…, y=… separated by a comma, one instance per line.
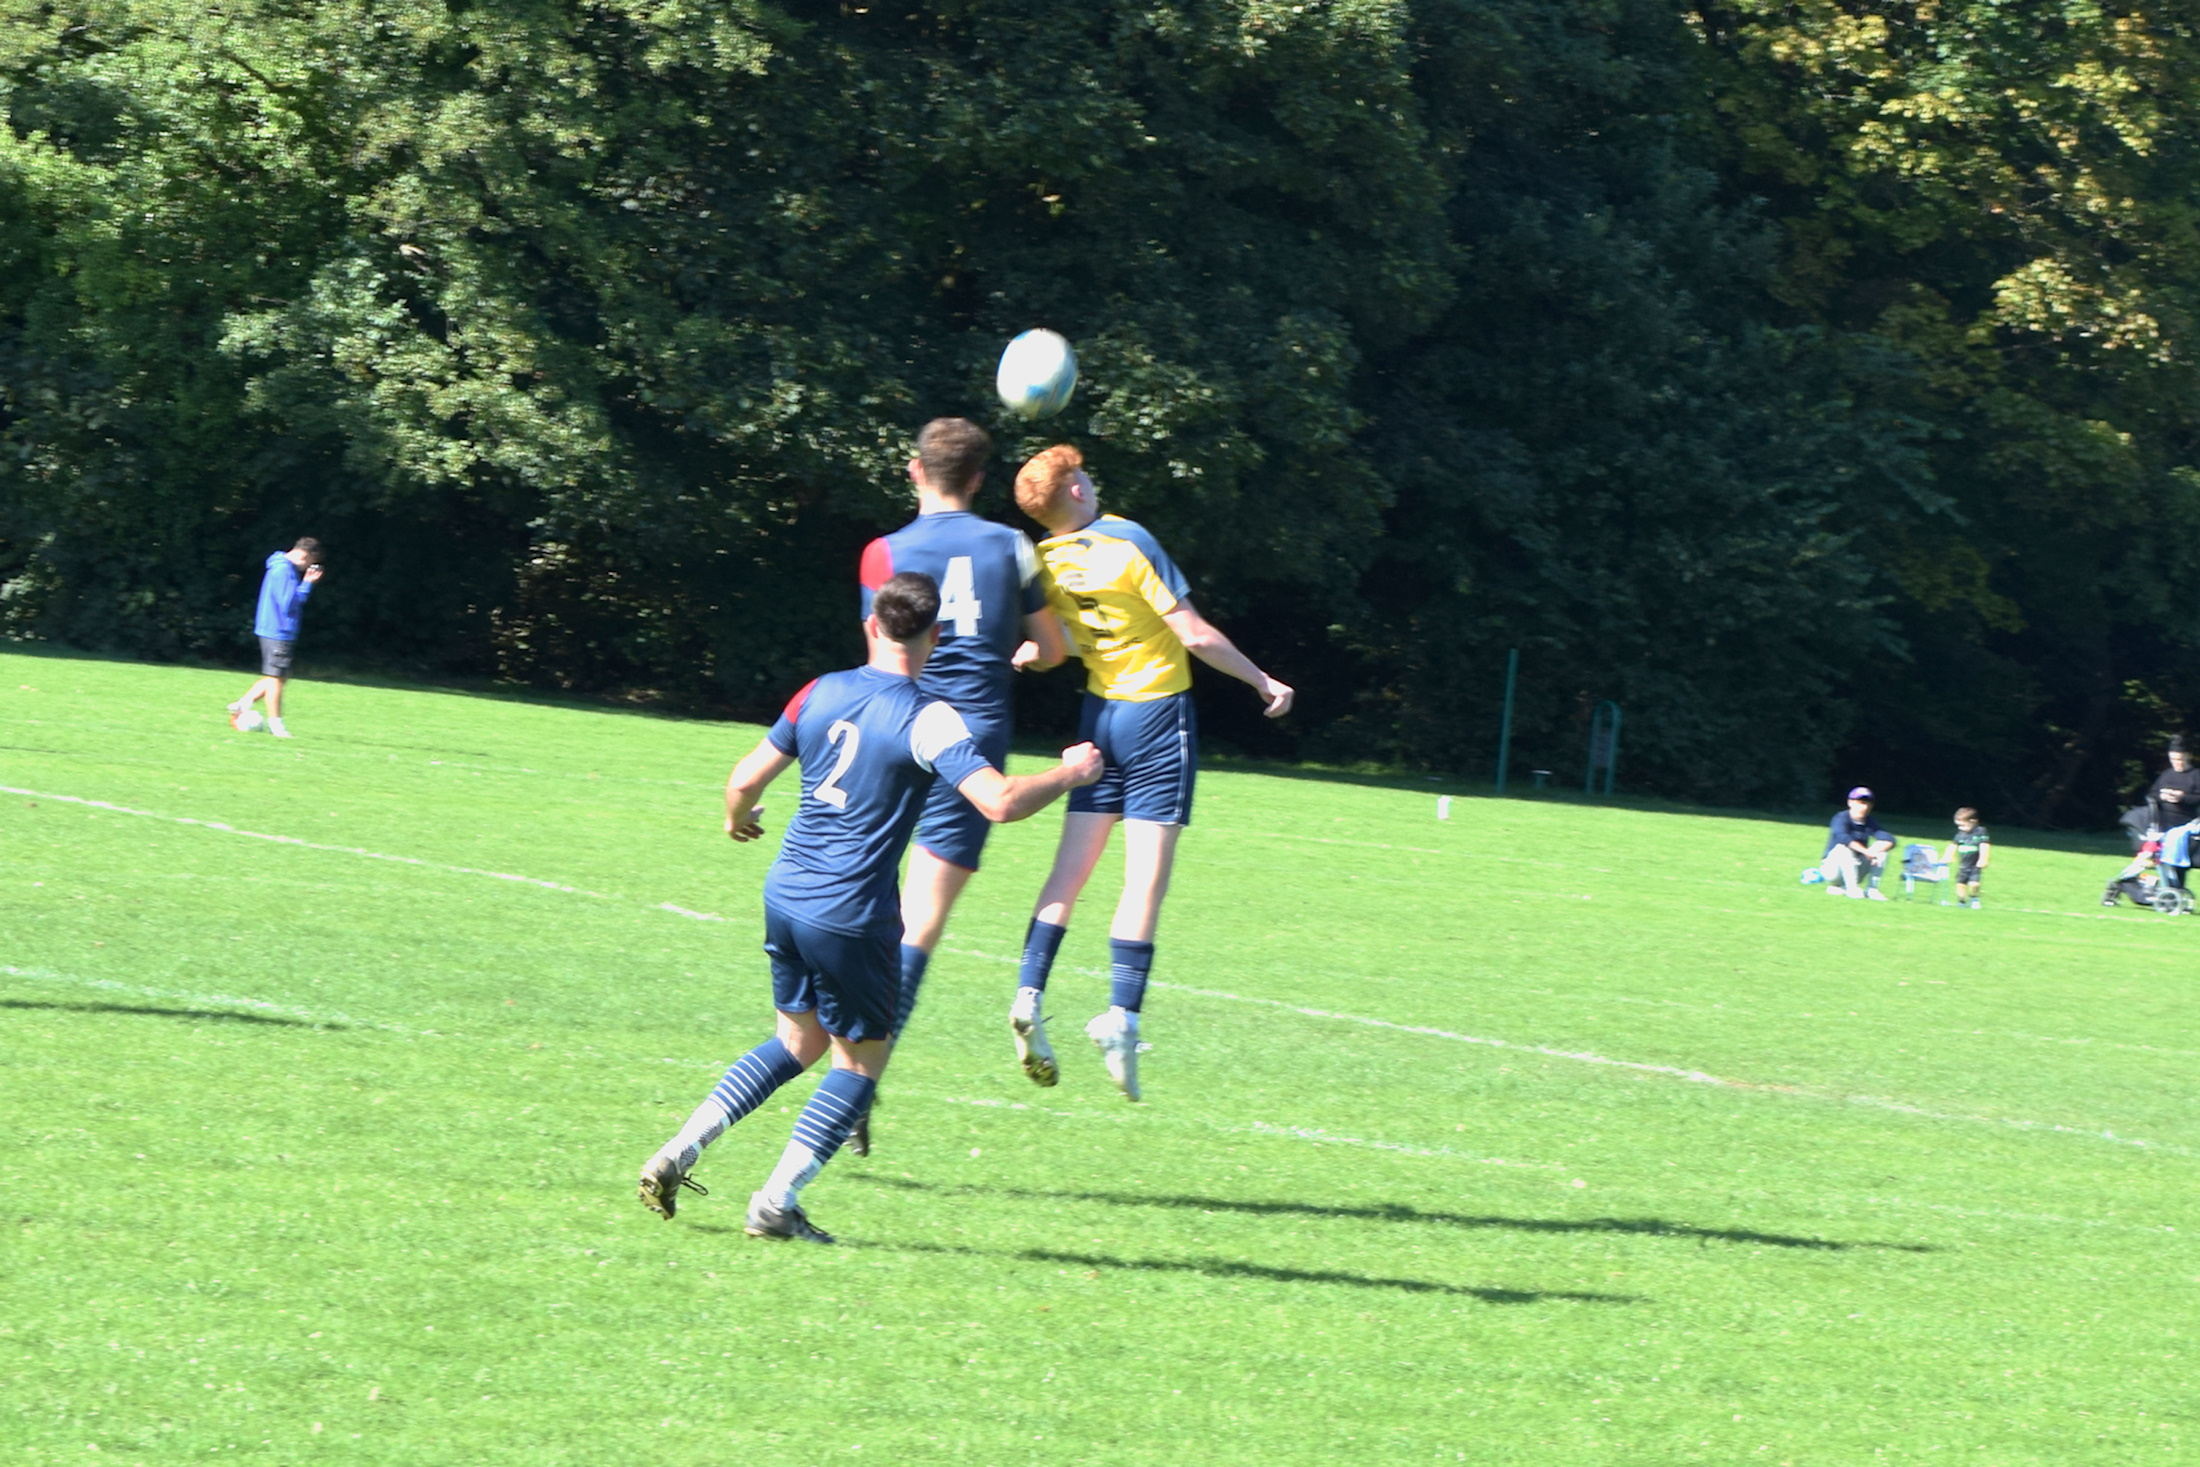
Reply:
x=1923, y=864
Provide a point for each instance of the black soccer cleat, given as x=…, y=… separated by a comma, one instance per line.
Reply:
x=662, y=1180
x=766, y=1221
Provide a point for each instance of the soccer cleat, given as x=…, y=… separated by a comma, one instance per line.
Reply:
x=767, y=1221
x=662, y=1180
x=236, y=711
x=1116, y=1032
x=1030, y=1028
x=1876, y=894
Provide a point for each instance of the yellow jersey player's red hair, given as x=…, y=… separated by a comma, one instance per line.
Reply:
x=1041, y=482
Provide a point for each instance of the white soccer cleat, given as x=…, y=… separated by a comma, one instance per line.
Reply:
x=1030, y=1028
x=1876, y=894
x=1116, y=1032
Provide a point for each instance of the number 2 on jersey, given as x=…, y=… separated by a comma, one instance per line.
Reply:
x=959, y=601
x=850, y=738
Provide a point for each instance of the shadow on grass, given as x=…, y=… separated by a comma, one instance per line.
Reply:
x=1223, y=1268
x=151, y=1012
x=1400, y=1213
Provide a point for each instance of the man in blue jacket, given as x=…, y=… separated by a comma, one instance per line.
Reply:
x=1856, y=849
x=289, y=580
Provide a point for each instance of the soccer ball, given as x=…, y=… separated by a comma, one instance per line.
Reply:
x=1037, y=375
x=250, y=721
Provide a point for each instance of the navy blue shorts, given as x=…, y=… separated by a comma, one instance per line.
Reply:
x=852, y=983
x=1152, y=751
x=951, y=827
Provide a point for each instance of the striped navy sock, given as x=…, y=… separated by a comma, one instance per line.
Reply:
x=841, y=1099
x=746, y=1086
x=1128, y=965
x=1041, y=943
x=914, y=960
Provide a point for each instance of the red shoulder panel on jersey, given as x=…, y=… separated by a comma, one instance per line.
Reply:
x=878, y=565
x=794, y=705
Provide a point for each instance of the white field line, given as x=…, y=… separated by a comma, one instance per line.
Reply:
x=1263, y=1128
x=361, y=852
x=202, y=1000
x=1694, y=1077
x=1578, y=1056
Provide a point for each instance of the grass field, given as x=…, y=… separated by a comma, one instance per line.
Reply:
x=1545, y=1135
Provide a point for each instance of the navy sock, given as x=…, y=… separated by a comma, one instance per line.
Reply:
x=1041, y=943
x=841, y=1099
x=746, y=1086
x=914, y=960
x=1128, y=965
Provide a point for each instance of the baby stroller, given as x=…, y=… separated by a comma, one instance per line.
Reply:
x=1923, y=863
x=2158, y=876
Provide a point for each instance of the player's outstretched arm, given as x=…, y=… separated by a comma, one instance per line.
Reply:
x=1043, y=646
x=751, y=777
x=1002, y=798
x=1204, y=640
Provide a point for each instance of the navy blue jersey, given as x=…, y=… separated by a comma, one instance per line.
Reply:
x=988, y=577
x=869, y=743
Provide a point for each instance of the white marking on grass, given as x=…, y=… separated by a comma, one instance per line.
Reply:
x=1330, y=1138
x=1695, y=1077
x=1263, y=1128
x=684, y=912
x=358, y=851
x=202, y=1000
x=1673, y=1072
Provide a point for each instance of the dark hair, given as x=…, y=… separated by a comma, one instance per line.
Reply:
x=907, y=605
x=2177, y=745
x=953, y=452
x=310, y=546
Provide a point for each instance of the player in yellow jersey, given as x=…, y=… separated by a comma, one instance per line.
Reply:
x=1129, y=617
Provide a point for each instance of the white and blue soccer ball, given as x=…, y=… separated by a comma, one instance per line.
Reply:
x=1038, y=373
x=250, y=721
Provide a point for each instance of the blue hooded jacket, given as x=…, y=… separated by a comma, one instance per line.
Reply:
x=282, y=597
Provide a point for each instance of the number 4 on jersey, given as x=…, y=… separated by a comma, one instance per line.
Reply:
x=959, y=603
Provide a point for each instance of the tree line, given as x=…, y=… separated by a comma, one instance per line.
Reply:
x=1810, y=378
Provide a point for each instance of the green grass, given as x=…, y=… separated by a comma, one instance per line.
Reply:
x=322, y=1157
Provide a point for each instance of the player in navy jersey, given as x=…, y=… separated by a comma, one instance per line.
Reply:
x=870, y=745
x=993, y=621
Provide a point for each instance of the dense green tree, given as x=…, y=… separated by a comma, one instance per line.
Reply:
x=1809, y=378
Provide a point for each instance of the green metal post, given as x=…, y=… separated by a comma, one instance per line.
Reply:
x=1604, y=741
x=1505, y=726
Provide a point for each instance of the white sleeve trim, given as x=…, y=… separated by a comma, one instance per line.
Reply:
x=1027, y=560
x=937, y=728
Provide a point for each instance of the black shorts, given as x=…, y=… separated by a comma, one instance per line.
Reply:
x=1967, y=871
x=851, y=981
x=275, y=657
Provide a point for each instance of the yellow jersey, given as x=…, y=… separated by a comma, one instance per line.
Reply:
x=1111, y=583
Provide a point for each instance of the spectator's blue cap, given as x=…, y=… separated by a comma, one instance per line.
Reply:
x=1861, y=793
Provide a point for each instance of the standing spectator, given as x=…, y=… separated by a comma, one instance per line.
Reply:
x=1856, y=849
x=2174, y=797
x=290, y=579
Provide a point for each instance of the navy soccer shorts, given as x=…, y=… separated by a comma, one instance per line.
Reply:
x=951, y=827
x=851, y=982
x=1152, y=751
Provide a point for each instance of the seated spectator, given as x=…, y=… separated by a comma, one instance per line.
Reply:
x=1856, y=850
